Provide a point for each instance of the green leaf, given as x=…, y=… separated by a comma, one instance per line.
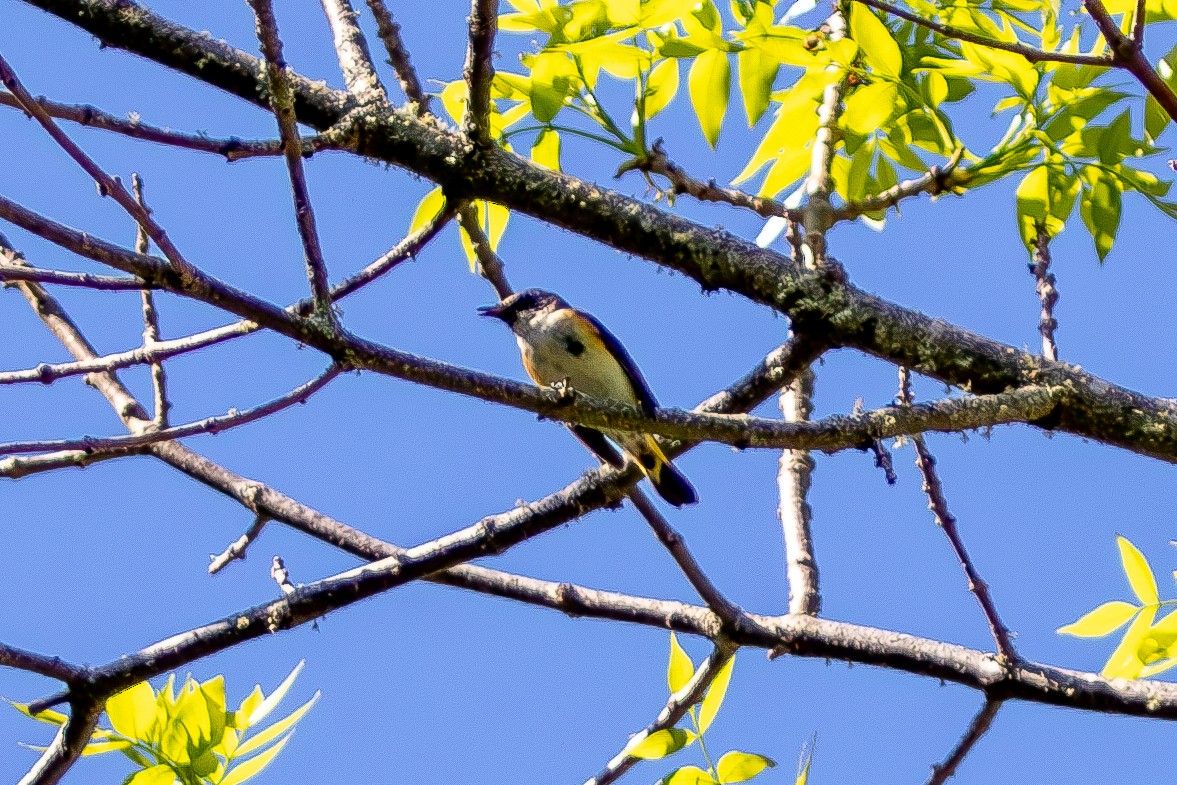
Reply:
x=878, y=47
x=1099, y=207
x=267, y=705
x=709, y=84
x=803, y=768
x=552, y=78
x=99, y=747
x=660, y=12
x=156, y=775
x=497, y=217
x=661, y=86
x=1102, y=621
x=1140, y=575
x=132, y=711
x=277, y=729
x=869, y=108
x=1124, y=662
x=47, y=715
x=715, y=694
x=757, y=73
x=430, y=206
x=251, y=701
x=454, y=97
x=546, y=149
x=661, y=743
x=681, y=669
x=1033, y=204
x=738, y=766
x=688, y=775
x=623, y=13
x=253, y=766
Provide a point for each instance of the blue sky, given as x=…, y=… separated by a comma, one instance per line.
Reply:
x=429, y=684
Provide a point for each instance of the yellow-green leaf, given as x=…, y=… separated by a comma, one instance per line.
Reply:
x=1124, y=662
x=454, y=97
x=1099, y=207
x=688, y=775
x=661, y=743
x=710, y=84
x=870, y=108
x=552, y=77
x=267, y=705
x=156, y=775
x=546, y=150
x=879, y=48
x=251, y=767
x=757, y=73
x=736, y=766
x=1140, y=575
x=99, y=747
x=274, y=731
x=660, y=12
x=428, y=209
x=132, y=711
x=661, y=86
x=1103, y=620
x=714, y=697
x=681, y=669
x=623, y=13
x=803, y=769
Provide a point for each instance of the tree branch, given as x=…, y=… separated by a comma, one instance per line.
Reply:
x=66, y=747
x=159, y=379
x=282, y=103
x=946, y=521
x=359, y=74
x=398, y=56
x=793, y=480
x=1128, y=54
x=977, y=728
x=1047, y=294
x=479, y=70
x=935, y=181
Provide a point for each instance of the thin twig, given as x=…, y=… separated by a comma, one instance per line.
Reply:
x=1047, y=294
x=948, y=31
x=935, y=181
x=281, y=576
x=282, y=103
x=17, y=466
x=675, y=709
x=237, y=549
x=106, y=283
x=107, y=185
x=46, y=373
x=977, y=728
x=159, y=379
x=398, y=56
x=479, y=70
x=213, y=425
x=231, y=148
x=1127, y=53
x=945, y=520
x=793, y=479
x=53, y=667
x=729, y=613
x=657, y=162
x=351, y=48
x=490, y=266
x=1138, y=23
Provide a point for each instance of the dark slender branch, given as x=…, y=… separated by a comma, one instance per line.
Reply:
x=490, y=266
x=946, y=521
x=159, y=378
x=657, y=162
x=1138, y=23
x=213, y=425
x=406, y=249
x=1128, y=54
x=1047, y=294
x=398, y=56
x=479, y=70
x=282, y=103
x=935, y=181
x=53, y=667
x=977, y=728
x=675, y=709
x=729, y=613
x=66, y=747
x=793, y=479
x=107, y=185
x=948, y=31
x=359, y=74
x=108, y=283
x=232, y=148
x=239, y=546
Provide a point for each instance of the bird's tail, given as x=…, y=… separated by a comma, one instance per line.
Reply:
x=672, y=485
x=666, y=479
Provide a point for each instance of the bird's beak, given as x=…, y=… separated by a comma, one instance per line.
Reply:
x=495, y=310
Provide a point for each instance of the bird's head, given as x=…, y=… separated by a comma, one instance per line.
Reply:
x=524, y=305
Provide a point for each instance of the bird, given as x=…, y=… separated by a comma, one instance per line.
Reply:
x=564, y=345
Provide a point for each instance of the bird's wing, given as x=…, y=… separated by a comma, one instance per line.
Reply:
x=641, y=390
